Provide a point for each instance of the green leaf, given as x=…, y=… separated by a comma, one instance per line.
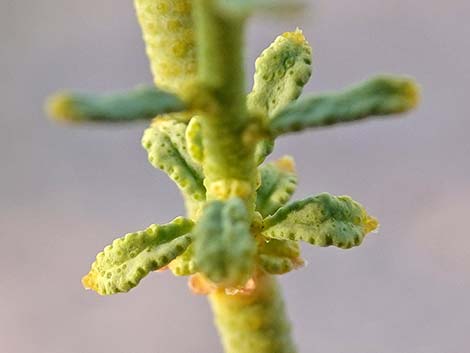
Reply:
x=224, y=247
x=322, y=220
x=143, y=103
x=194, y=140
x=278, y=183
x=166, y=146
x=382, y=95
x=184, y=265
x=280, y=256
x=170, y=43
x=122, y=265
x=282, y=70
x=263, y=149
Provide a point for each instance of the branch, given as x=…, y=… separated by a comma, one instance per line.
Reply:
x=379, y=96
x=143, y=103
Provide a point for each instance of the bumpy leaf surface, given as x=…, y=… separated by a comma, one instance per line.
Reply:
x=379, y=96
x=278, y=183
x=282, y=70
x=194, y=140
x=168, y=31
x=184, y=265
x=224, y=247
x=122, y=265
x=279, y=256
x=166, y=146
x=322, y=220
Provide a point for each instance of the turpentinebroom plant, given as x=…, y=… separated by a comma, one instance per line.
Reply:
x=212, y=139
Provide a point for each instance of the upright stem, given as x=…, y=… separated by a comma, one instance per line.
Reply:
x=229, y=163
x=255, y=322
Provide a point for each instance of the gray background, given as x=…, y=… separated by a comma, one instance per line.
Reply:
x=67, y=192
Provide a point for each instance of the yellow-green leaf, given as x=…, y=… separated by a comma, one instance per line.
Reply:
x=379, y=96
x=322, y=220
x=282, y=70
x=278, y=183
x=143, y=103
x=122, y=265
x=279, y=256
x=165, y=143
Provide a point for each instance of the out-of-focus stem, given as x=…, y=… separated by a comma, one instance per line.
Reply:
x=255, y=323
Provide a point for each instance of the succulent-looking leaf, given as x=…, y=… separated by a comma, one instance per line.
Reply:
x=166, y=146
x=224, y=247
x=263, y=149
x=168, y=32
x=282, y=70
x=143, y=103
x=381, y=95
x=279, y=256
x=194, y=140
x=322, y=220
x=122, y=265
x=278, y=183
x=184, y=265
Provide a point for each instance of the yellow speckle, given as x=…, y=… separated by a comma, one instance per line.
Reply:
x=224, y=189
x=296, y=36
x=371, y=224
x=173, y=25
x=61, y=108
x=412, y=92
x=89, y=281
x=286, y=164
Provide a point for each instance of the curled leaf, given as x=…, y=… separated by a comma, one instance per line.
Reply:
x=322, y=220
x=278, y=183
x=122, y=265
x=224, y=247
x=282, y=70
x=166, y=146
x=184, y=265
x=194, y=140
x=280, y=256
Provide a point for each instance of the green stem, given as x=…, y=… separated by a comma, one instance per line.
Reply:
x=228, y=163
x=254, y=323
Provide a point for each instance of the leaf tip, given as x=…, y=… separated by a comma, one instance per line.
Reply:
x=286, y=164
x=371, y=225
x=61, y=107
x=412, y=93
x=89, y=281
x=296, y=36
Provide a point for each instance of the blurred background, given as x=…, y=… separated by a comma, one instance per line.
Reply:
x=66, y=192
